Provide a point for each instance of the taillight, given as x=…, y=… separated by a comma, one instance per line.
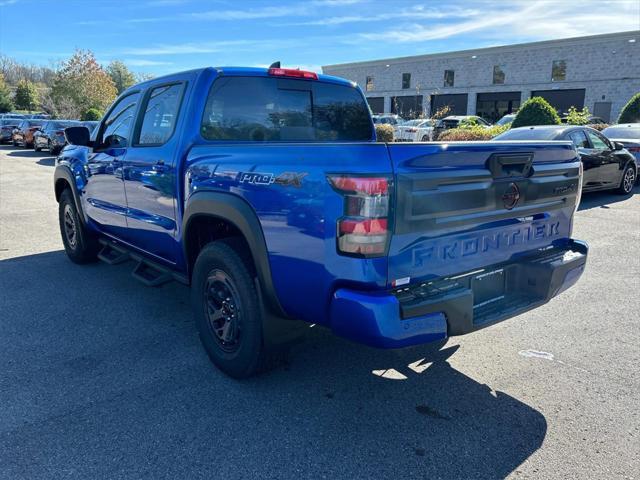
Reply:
x=633, y=149
x=412, y=130
x=292, y=72
x=364, y=228
x=59, y=132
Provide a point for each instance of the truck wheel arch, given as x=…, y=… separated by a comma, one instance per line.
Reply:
x=63, y=179
x=240, y=215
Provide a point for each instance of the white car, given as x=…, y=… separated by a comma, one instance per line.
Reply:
x=419, y=130
x=628, y=134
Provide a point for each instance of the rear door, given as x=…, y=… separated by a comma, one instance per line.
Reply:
x=150, y=171
x=464, y=206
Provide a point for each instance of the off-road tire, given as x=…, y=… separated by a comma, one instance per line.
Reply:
x=221, y=270
x=80, y=244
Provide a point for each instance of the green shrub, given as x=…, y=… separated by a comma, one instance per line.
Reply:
x=598, y=126
x=92, y=114
x=384, y=132
x=578, y=117
x=536, y=111
x=631, y=111
x=471, y=134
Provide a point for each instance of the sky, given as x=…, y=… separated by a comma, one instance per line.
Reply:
x=164, y=36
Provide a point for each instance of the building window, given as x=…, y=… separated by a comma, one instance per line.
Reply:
x=449, y=78
x=406, y=81
x=498, y=75
x=559, y=70
x=369, y=84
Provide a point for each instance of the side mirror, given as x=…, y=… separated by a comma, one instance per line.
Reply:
x=78, y=136
x=617, y=146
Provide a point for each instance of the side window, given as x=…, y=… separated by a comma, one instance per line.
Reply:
x=160, y=114
x=598, y=142
x=117, y=126
x=579, y=139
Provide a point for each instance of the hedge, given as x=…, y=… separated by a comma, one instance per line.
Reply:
x=631, y=111
x=384, y=132
x=536, y=111
x=470, y=134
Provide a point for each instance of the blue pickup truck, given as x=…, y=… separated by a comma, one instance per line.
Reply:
x=267, y=192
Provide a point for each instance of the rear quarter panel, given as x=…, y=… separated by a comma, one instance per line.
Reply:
x=287, y=187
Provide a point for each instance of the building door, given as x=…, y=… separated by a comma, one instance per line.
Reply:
x=408, y=106
x=376, y=104
x=457, y=103
x=561, y=100
x=493, y=106
x=602, y=110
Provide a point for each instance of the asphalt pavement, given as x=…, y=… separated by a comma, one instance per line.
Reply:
x=102, y=377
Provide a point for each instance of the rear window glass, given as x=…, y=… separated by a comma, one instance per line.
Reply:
x=622, y=132
x=259, y=109
x=529, y=134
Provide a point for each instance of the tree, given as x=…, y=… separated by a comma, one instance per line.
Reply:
x=122, y=77
x=26, y=95
x=631, y=111
x=536, y=111
x=84, y=83
x=578, y=117
x=6, y=105
x=92, y=114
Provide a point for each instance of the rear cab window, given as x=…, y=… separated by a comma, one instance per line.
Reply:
x=265, y=109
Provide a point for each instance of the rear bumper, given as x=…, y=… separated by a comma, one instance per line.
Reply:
x=456, y=306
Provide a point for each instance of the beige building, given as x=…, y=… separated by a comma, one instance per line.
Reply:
x=600, y=72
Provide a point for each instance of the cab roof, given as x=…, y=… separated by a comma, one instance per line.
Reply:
x=239, y=71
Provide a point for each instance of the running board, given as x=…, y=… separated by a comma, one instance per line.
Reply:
x=150, y=273
x=112, y=255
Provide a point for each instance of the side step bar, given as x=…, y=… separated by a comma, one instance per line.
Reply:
x=150, y=273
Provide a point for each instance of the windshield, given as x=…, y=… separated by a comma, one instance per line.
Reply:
x=619, y=131
x=412, y=123
x=506, y=119
x=529, y=134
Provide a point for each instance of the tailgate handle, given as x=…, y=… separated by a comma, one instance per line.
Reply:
x=504, y=165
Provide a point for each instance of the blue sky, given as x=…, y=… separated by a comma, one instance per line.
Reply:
x=162, y=36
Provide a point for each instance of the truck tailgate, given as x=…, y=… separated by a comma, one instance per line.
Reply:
x=465, y=206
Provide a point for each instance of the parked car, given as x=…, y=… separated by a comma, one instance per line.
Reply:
x=387, y=119
x=51, y=135
x=628, y=134
x=419, y=130
x=90, y=124
x=23, y=135
x=455, y=121
x=14, y=116
x=593, y=120
x=40, y=116
x=508, y=118
x=607, y=165
x=307, y=217
x=7, y=125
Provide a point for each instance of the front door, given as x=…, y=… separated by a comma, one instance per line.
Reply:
x=105, y=201
x=608, y=165
x=150, y=173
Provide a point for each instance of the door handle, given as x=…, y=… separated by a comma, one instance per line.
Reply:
x=160, y=166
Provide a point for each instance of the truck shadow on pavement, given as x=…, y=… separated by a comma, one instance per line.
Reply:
x=604, y=199
x=104, y=377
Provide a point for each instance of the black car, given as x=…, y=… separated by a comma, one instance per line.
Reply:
x=7, y=125
x=51, y=135
x=607, y=165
